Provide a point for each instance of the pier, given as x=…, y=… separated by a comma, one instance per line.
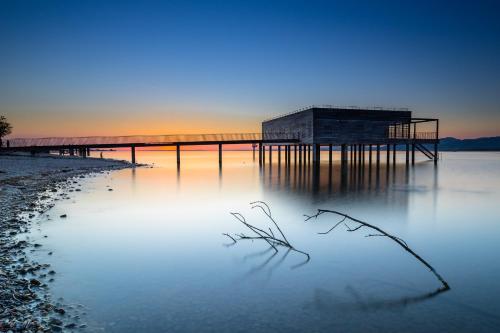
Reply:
x=361, y=135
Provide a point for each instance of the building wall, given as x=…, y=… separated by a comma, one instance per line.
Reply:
x=336, y=126
x=350, y=131
x=355, y=126
x=296, y=125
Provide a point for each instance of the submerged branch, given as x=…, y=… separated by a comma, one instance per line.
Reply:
x=380, y=233
x=274, y=239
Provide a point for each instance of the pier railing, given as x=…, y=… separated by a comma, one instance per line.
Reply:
x=416, y=136
x=146, y=139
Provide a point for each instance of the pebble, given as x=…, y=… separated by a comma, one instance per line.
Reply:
x=26, y=303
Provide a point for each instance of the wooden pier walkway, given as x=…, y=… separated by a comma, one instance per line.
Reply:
x=82, y=145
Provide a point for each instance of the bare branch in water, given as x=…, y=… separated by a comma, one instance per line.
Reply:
x=380, y=233
x=273, y=239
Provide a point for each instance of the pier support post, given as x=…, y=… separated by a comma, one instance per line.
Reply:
x=407, y=154
x=343, y=154
x=378, y=156
x=289, y=157
x=300, y=155
x=270, y=155
x=330, y=154
x=279, y=154
x=132, y=151
x=253, y=148
x=220, y=155
x=388, y=151
x=413, y=154
x=316, y=153
x=260, y=153
x=370, y=155
x=306, y=147
x=178, y=153
x=436, y=156
x=360, y=157
x=294, y=154
x=309, y=154
x=394, y=155
x=353, y=147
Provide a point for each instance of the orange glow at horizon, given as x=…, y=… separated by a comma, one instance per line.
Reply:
x=153, y=122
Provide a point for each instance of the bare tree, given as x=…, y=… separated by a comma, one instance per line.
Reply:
x=5, y=128
x=358, y=224
x=275, y=238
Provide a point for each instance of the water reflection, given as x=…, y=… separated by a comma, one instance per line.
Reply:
x=149, y=256
x=326, y=301
x=384, y=185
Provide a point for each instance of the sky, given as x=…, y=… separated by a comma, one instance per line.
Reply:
x=83, y=68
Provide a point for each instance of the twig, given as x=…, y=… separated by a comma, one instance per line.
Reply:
x=380, y=233
x=274, y=240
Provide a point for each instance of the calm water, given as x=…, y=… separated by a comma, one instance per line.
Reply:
x=149, y=255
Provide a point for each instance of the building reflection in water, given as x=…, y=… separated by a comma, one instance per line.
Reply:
x=363, y=182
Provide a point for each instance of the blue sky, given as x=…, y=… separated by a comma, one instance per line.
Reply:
x=174, y=66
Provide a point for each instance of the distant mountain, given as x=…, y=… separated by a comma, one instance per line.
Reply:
x=453, y=144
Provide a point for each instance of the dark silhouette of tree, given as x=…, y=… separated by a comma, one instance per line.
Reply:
x=5, y=128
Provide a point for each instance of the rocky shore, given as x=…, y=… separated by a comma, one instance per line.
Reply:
x=29, y=186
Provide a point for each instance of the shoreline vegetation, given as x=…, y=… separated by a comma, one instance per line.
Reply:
x=29, y=186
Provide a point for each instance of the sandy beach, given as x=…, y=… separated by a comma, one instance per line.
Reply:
x=29, y=186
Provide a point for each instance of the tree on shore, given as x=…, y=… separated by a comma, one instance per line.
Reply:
x=5, y=128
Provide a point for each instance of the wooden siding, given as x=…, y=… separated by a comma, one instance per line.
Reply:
x=300, y=125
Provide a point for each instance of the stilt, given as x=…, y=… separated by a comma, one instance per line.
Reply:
x=309, y=154
x=330, y=153
x=279, y=154
x=305, y=154
x=394, y=154
x=178, y=153
x=388, y=151
x=316, y=154
x=220, y=155
x=360, y=158
x=270, y=155
x=355, y=154
x=378, y=156
x=436, y=157
x=407, y=154
x=294, y=154
x=363, y=151
x=300, y=155
x=260, y=153
x=370, y=155
x=343, y=154
x=253, y=148
x=132, y=150
x=413, y=154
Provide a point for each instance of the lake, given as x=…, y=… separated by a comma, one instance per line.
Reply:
x=149, y=256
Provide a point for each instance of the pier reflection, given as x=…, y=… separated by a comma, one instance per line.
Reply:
x=388, y=185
